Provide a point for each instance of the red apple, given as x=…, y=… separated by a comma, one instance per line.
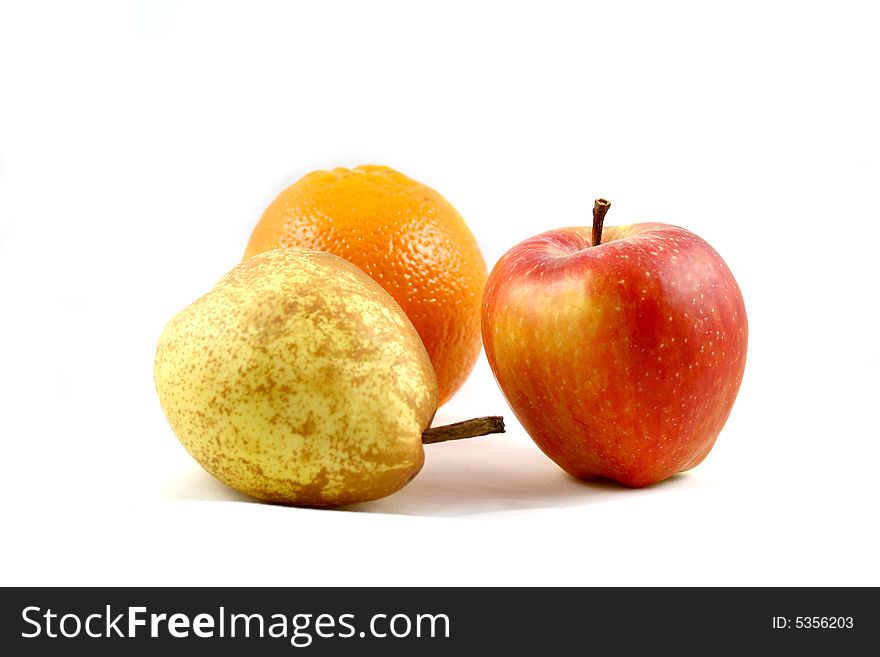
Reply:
x=621, y=354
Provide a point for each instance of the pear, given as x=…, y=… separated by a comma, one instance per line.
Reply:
x=298, y=380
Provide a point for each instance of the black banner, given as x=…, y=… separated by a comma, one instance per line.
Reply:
x=434, y=621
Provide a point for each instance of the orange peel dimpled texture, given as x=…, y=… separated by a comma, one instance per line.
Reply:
x=407, y=237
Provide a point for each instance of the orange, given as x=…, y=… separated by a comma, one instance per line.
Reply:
x=403, y=234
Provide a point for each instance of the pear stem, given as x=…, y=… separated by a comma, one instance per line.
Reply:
x=479, y=426
x=600, y=207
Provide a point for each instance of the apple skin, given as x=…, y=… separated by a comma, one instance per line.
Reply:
x=621, y=361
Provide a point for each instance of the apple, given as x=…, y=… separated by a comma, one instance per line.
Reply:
x=621, y=353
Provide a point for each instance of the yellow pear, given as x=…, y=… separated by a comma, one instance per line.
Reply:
x=298, y=380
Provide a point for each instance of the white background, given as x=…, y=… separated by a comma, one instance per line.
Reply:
x=140, y=142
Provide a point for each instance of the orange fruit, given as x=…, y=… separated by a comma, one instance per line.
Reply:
x=403, y=234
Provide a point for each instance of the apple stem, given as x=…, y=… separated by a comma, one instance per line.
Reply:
x=600, y=207
x=478, y=426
